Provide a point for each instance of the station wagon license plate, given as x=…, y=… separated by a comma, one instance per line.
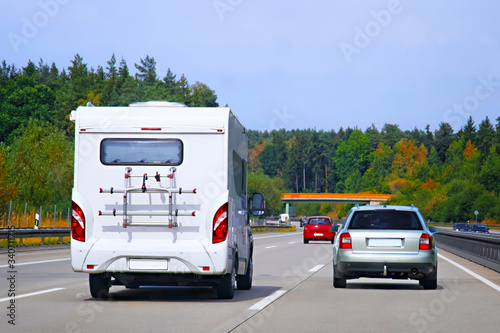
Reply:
x=385, y=242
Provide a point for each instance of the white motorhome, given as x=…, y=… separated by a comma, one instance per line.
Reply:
x=160, y=198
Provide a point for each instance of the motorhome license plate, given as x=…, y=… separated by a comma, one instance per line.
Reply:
x=148, y=264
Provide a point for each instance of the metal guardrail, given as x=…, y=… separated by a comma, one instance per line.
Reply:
x=481, y=248
x=34, y=233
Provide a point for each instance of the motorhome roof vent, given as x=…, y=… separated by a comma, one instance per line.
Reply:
x=158, y=103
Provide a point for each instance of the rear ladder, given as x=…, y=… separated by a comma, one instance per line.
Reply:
x=129, y=189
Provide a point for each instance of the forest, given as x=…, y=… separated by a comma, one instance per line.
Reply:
x=448, y=174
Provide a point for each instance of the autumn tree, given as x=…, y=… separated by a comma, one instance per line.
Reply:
x=408, y=158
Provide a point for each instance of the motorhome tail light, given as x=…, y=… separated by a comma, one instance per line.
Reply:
x=425, y=242
x=220, y=224
x=345, y=241
x=77, y=223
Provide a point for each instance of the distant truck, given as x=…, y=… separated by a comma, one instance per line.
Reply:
x=160, y=198
x=284, y=219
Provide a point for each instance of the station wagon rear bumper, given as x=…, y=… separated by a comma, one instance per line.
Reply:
x=384, y=269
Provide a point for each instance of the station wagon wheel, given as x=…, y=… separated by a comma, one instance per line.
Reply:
x=430, y=282
x=338, y=282
x=99, y=285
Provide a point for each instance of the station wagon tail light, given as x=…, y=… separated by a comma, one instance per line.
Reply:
x=77, y=223
x=425, y=242
x=220, y=225
x=345, y=241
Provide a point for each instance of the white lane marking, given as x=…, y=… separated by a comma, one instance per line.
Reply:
x=316, y=268
x=292, y=242
x=270, y=247
x=268, y=300
x=35, y=262
x=468, y=271
x=30, y=294
x=286, y=234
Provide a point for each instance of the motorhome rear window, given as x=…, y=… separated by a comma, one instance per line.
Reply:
x=141, y=151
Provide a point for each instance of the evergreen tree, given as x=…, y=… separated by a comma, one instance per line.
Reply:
x=147, y=70
x=112, y=72
x=485, y=138
x=79, y=78
x=468, y=131
x=443, y=137
x=391, y=134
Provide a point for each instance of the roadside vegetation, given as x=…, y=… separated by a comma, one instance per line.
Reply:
x=448, y=173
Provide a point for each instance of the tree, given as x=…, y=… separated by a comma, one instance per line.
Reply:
x=271, y=188
x=351, y=156
x=23, y=103
x=468, y=132
x=442, y=139
x=490, y=171
x=40, y=166
x=485, y=138
x=182, y=91
x=408, y=158
x=112, y=71
x=391, y=134
x=380, y=169
x=296, y=164
x=7, y=191
x=318, y=158
x=147, y=70
x=281, y=156
x=170, y=84
x=123, y=72
x=253, y=156
x=203, y=96
x=268, y=161
x=78, y=78
x=374, y=135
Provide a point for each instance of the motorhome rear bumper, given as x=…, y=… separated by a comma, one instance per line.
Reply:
x=119, y=255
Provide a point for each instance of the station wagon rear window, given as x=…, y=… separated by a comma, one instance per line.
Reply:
x=386, y=220
x=141, y=151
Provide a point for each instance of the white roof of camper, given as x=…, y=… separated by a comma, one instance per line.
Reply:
x=156, y=116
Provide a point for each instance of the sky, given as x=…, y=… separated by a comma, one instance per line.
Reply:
x=319, y=64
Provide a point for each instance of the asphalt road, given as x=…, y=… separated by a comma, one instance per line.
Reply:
x=292, y=292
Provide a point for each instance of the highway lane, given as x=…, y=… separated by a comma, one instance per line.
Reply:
x=292, y=291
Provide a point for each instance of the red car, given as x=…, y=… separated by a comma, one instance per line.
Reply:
x=318, y=228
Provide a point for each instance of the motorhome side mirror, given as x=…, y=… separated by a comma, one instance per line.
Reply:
x=334, y=228
x=258, y=205
x=433, y=229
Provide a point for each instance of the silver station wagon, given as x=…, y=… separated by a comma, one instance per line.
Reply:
x=385, y=242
